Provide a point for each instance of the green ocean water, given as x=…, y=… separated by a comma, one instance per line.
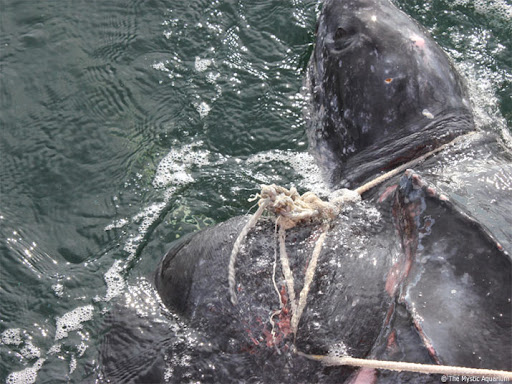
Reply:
x=125, y=125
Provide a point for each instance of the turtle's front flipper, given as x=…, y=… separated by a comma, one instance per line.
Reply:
x=458, y=282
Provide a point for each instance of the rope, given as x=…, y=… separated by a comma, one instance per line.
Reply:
x=380, y=179
x=308, y=279
x=236, y=248
x=281, y=304
x=409, y=367
x=287, y=272
x=290, y=209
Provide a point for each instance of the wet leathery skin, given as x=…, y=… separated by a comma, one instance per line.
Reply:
x=459, y=286
x=382, y=91
x=452, y=282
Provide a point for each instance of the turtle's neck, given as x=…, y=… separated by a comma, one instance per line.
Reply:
x=395, y=151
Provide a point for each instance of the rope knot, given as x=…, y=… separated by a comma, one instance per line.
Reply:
x=290, y=209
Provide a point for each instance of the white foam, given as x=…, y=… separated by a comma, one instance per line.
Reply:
x=175, y=167
x=202, y=65
x=73, y=320
x=117, y=224
x=212, y=79
x=26, y=376
x=81, y=348
x=55, y=348
x=494, y=7
x=148, y=216
x=72, y=364
x=114, y=280
x=30, y=351
x=161, y=66
x=476, y=62
x=173, y=170
x=12, y=336
x=302, y=163
x=481, y=80
x=203, y=109
x=143, y=298
x=58, y=289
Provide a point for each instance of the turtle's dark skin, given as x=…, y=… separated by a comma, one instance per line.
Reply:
x=419, y=271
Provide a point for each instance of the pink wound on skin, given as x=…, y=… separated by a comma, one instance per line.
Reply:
x=418, y=41
x=365, y=376
x=392, y=279
x=391, y=342
x=387, y=193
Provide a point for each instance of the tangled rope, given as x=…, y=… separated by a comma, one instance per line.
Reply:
x=291, y=208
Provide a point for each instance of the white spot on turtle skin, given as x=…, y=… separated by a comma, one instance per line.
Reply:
x=338, y=350
x=374, y=18
x=427, y=114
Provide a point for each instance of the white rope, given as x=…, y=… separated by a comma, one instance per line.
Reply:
x=291, y=209
x=380, y=179
x=274, y=266
x=236, y=248
x=281, y=304
x=287, y=272
x=308, y=279
x=409, y=367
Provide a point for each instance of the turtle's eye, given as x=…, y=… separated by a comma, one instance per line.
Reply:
x=340, y=33
x=341, y=39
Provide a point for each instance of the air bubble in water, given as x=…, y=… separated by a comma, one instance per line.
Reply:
x=26, y=376
x=30, y=351
x=73, y=320
x=12, y=336
x=114, y=280
x=203, y=109
x=202, y=65
x=58, y=289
